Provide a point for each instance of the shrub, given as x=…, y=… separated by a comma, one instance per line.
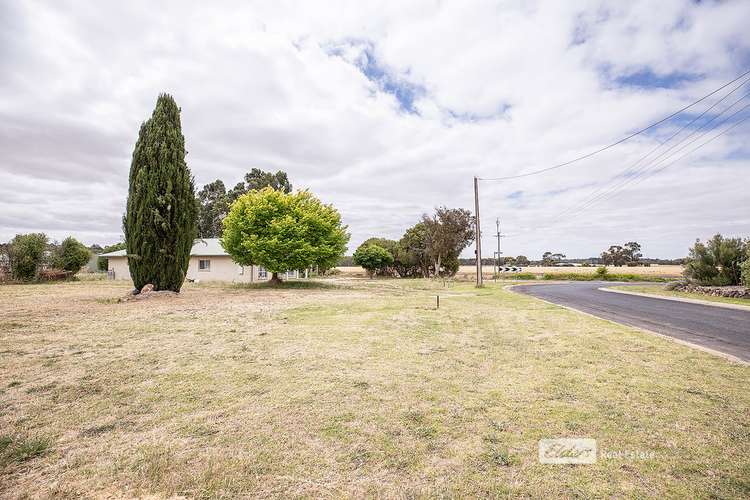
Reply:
x=26, y=254
x=601, y=272
x=372, y=258
x=71, y=255
x=717, y=262
x=746, y=272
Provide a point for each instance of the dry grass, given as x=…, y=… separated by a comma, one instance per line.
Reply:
x=358, y=388
x=467, y=273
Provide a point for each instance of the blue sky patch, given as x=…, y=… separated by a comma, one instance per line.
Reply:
x=387, y=80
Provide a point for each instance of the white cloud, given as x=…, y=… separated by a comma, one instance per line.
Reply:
x=498, y=89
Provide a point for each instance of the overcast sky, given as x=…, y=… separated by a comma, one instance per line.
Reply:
x=386, y=110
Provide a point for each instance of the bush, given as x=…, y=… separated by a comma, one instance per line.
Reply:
x=717, y=262
x=746, y=272
x=26, y=254
x=372, y=258
x=71, y=255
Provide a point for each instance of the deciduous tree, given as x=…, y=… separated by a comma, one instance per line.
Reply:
x=282, y=232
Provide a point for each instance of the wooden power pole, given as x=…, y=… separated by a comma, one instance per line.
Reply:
x=478, y=232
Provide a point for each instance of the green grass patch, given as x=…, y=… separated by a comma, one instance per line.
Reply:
x=19, y=450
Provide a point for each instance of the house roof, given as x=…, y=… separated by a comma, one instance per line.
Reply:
x=202, y=247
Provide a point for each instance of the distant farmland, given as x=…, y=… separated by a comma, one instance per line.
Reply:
x=468, y=272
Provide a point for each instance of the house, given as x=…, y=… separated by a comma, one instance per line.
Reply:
x=208, y=262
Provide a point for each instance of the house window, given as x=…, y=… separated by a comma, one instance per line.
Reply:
x=204, y=265
x=262, y=273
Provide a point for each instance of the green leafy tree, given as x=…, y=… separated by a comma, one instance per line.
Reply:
x=412, y=257
x=373, y=258
x=71, y=255
x=522, y=260
x=258, y=179
x=716, y=262
x=213, y=205
x=745, y=269
x=282, y=231
x=392, y=247
x=160, y=220
x=26, y=255
x=102, y=263
x=448, y=232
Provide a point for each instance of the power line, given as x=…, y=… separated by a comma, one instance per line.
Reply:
x=662, y=168
x=608, y=146
x=600, y=192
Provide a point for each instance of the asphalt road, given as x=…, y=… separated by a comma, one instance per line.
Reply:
x=718, y=328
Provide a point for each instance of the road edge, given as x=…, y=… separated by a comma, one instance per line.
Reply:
x=725, y=305
x=698, y=347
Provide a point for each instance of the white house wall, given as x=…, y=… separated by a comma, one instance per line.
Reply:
x=222, y=268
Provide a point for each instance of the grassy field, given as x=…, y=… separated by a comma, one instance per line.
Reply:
x=353, y=388
x=467, y=273
x=659, y=290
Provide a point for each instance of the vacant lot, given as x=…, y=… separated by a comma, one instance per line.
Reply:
x=353, y=388
x=469, y=272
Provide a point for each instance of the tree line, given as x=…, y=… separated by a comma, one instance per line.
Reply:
x=429, y=248
x=33, y=257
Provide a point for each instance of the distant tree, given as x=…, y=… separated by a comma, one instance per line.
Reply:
x=71, y=255
x=522, y=260
x=552, y=259
x=614, y=256
x=258, y=179
x=448, y=232
x=26, y=255
x=96, y=248
x=160, y=221
x=508, y=261
x=632, y=252
x=717, y=262
x=213, y=205
x=373, y=258
x=102, y=263
x=283, y=232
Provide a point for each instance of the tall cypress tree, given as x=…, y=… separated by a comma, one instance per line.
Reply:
x=160, y=221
